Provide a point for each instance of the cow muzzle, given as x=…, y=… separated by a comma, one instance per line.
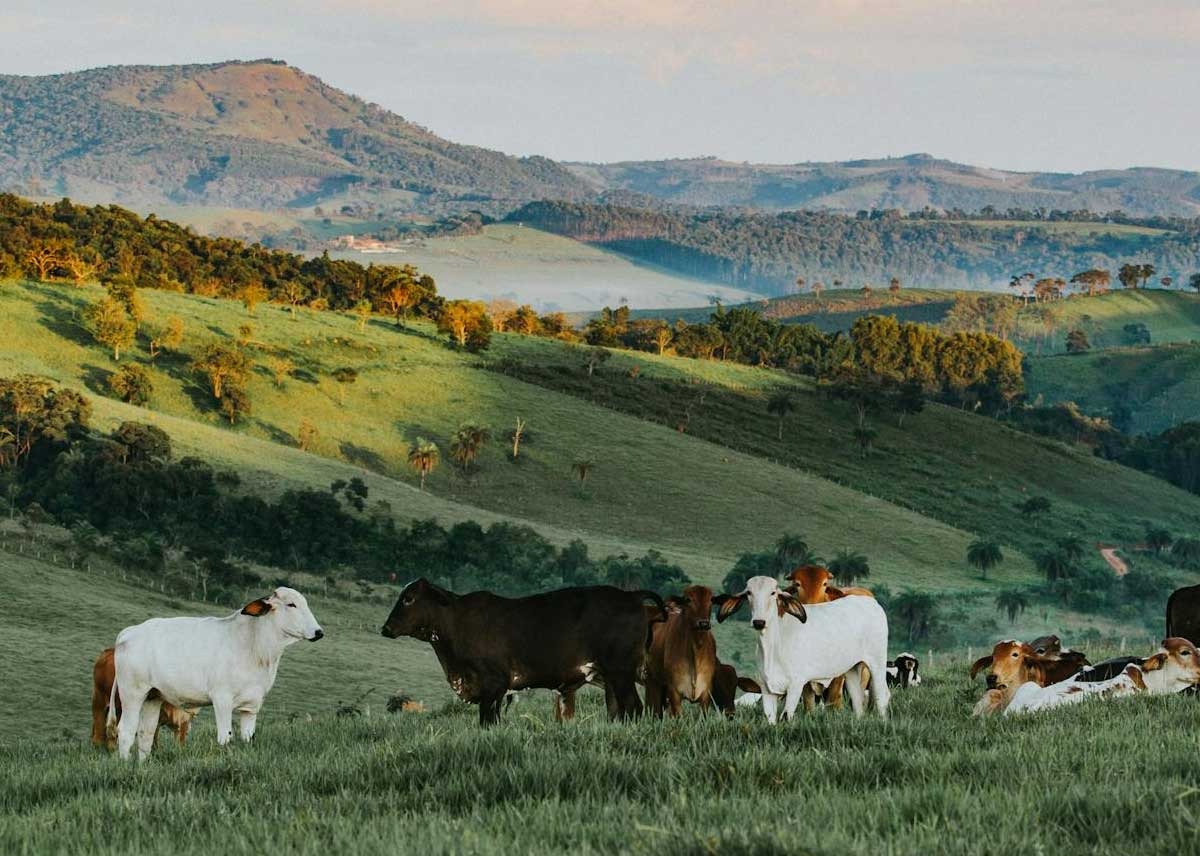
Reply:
x=388, y=632
x=758, y=624
x=317, y=636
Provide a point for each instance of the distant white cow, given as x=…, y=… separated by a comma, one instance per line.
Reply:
x=798, y=644
x=227, y=662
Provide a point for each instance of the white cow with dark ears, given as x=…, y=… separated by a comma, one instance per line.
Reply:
x=798, y=644
x=229, y=663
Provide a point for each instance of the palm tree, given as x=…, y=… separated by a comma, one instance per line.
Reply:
x=1012, y=602
x=916, y=612
x=423, y=457
x=583, y=468
x=790, y=551
x=865, y=436
x=1072, y=548
x=1054, y=564
x=849, y=567
x=1158, y=539
x=467, y=443
x=781, y=404
x=984, y=555
x=1186, y=551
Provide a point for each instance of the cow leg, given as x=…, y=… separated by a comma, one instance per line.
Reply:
x=223, y=714
x=877, y=686
x=706, y=702
x=833, y=695
x=809, y=695
x=148, y=727
x=99, y=718
x=181, y=731
x=853, y=687
x=655, y=697
x=625, y=702
x=770, y=703
x=792, y=700
x=249, y=721
x=675, y=700
x=131, y=709
x=564, y=705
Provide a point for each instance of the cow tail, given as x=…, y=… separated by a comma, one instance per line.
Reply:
x=110, y=721
x=646, y=594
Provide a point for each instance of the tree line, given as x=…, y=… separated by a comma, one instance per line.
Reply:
x=157, y=512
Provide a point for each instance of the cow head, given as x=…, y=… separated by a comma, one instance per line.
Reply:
x=1014, y=663
x=1174, y=667
x=1049, y=647
x=768, y=603
x=906, y=670
x=419, y=612
x=695, y=605
x=812, y=583
x=288, y=611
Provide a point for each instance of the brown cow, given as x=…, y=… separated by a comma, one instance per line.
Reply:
x=1015, y=663
x=682, y=660
x=175, y=718
x=811, y=585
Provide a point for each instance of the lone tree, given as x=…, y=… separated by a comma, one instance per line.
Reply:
x=515, y=436
x=780, y=405
x=1077, y=342
x=344, y=376
x=596, y=356
x=894, y=287
x=1034, y=506
x=849, y=567
x=984, y=555
x=583, y=469
x=362, y=312
x=251, y=295
x=463, y=319
x=1158, y=539
x=916, y=613
x=467, y=444
x=1130, y=275
x=132, y=384
x=111, y=325
x=1012, y=603
x=235, y=401
x=307, y=435
x=222, y=366
x=169, y=338
x=865, y=436
x=1186, y=551
x=1194, y=282
x=281, y=366
x=423, y=457
x=1093, y=280
x=792, y=550
x=1054, y=564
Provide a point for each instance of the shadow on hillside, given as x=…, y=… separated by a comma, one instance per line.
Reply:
x=276, y=434
x=64, y=322
x=95, y=379
x=304, y=376
x=362, y=457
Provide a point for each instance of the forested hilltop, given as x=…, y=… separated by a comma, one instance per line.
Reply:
x=767, y=252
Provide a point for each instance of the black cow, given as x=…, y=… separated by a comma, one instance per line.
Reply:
x=1183, y=613
x=1105, y=669
x=560, y=640
x=903, y=671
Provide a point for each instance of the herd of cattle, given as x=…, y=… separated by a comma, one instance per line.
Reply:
x=816, y=644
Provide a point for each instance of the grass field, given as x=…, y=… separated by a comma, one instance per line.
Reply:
x=1160, y=385
x=700, y=503
x=1105, y=778
x=1170, y=316
x=512, y=262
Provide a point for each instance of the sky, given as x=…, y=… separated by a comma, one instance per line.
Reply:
x=1022, y=84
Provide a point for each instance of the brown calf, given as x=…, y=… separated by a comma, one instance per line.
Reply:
x=811, y=585
x=1015, y=663
x=682, y=660
x=103, y=675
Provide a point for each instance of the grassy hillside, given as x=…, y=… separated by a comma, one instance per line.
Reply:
x=1170, y=316
x=930, y=780
x=510, y=262
x=1146, y=390
x=700, y=503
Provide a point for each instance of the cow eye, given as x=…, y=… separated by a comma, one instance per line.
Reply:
x=291, y=606
x=407, y=601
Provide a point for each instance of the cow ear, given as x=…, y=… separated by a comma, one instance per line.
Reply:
x=834, y=593
x=748, y=685
x=980, y=664
x=728, y=604
x=1157, y=661
x=675, y=601
x=789, y=604
x=257, y=607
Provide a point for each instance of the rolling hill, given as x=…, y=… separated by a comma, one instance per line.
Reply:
x=1168, y=317
x=908, y=183
x=256, y=134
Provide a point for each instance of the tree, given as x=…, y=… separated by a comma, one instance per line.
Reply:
x=307, y=435
x=1034, y=506
x=345, y=377
x=662, y=338
x=894, y=287
x=423, y=457
x=1077, y=342
x=131, y=383
x=984, y=555
x=111, y=325
x=865, y=436
x=515, y=436
x=221, y=366
x=1186, y=551
x=1145, y=272
x=1054, y=565
x=292, y=292
x=1093, y=280
x=466, y=445
x=280, y=366
x=594, y=357
x=399, y=299
x=125, y=292
x=82, y=265
x=44, y=258
x=1129, y=275
x=1012, y=603
x=916, y=613
x=251, y=295
x=849, y=567
x=460, y=318
x=791, y=550
x=583, y=468
x=1194, y=282
x=170, y=337
x=780, y=405
x=1158, y=539
x=235, y=401
x=362, y=311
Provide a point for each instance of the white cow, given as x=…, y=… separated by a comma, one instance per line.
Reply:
x=1172, y=669
x=799, y=643
x=227, y=662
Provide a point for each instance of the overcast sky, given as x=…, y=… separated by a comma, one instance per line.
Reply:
x=1021, y=84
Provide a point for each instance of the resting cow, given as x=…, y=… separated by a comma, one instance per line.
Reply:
x=1016, y=663
x=227, y=662
x=488, y=645
x=177, y=719
x=1172, y=669
x=798, y=644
